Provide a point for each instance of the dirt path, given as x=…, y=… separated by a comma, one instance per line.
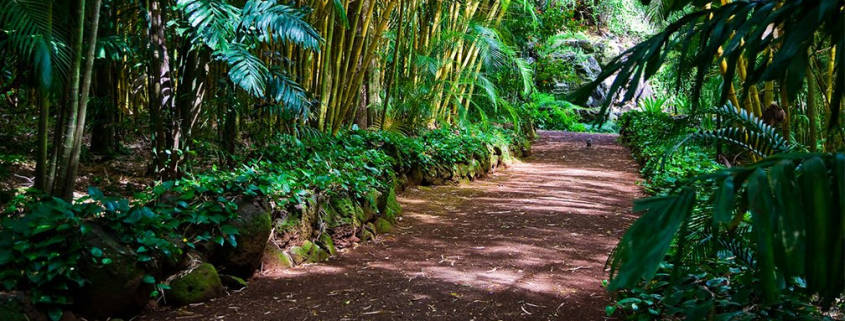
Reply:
x=526, y=243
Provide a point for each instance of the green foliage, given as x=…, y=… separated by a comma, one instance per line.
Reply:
x=35, y=36
x=718, y=286
x=40, y=251
x=654, y=105
x=623, y=17
x=650, y=135
x=234, y=34
x=750, y=133
x=550, y=113
x=552, y=67
x=702, y=38
x=532, y=21
x=42, y=243
x=740, y=234
x=556, y=18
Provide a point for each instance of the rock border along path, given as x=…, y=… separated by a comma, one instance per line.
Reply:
x=526, y=243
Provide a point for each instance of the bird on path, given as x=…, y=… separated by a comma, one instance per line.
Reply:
x=589, y=142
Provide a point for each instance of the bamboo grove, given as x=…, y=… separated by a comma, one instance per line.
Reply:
x=234, y=72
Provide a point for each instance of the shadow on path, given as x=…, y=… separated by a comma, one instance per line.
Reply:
x=526, y=243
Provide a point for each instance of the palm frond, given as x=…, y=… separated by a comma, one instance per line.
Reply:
x=803, y=238
x=211, y=21
x=289, y=94
x=279, y=22
x=527, y=75
x=33, y=35
x=494, y=54
x=750, y=133
x=245, y=69
x=729, y=31
x=489, y=88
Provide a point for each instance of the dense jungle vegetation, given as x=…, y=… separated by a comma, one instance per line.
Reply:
x=152, y=143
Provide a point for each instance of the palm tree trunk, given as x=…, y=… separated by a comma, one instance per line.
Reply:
x=41, y=165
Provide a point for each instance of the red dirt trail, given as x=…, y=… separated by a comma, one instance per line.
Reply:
x=526, y=243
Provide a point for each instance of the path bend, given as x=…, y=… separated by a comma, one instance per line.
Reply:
x=526, y=243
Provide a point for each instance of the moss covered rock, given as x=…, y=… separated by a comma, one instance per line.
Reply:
x=348, y=210
x=367, y=233
x=309, y=212
x=327, y=244
x=388, y=205
x=254, y=225
x=198, y=285
x=113, y=289
x=275, y=258
x=475, y=169
x=383, y=226
x=308, y=252
x=370, y=205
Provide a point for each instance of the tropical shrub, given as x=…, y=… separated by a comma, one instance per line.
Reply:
x=43, y=239
x=710, y=253
x=552, y=114
x=650, y=135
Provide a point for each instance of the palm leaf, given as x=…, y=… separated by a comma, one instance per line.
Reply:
x=792, y=238
x=33, y=35
x=245, y=69
x=211, y=21
x=278, y=22
x=727, y=32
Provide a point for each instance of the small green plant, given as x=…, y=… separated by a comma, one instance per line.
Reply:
x=653, y=105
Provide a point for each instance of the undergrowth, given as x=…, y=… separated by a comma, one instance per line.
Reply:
x=43, y=240
x=696, y=287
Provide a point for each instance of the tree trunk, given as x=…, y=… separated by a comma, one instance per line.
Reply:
x=72, y=111
x=58, y=138
x=167, y=132
x=41, y=164
x=104, y=136
x=79, y=129
x=388, y=86
x=104, y=140
x=812, y=112
x=192, y=92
